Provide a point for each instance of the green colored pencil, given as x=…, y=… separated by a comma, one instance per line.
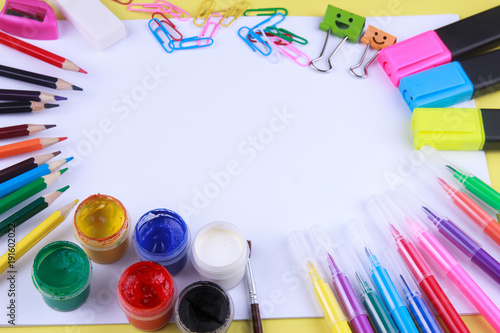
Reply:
x=29, y=211
x=28, y=191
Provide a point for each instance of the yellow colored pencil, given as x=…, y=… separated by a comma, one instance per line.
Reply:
x=36, y=235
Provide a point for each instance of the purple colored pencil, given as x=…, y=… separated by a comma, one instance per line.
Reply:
x=29, y=96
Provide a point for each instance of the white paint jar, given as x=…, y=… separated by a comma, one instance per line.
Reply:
x=219, y=253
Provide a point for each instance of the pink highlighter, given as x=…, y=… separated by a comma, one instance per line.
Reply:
x=441, y=46
x=32, y=19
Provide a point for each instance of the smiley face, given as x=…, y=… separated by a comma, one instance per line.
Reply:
x=377, y=38
x=343, y=23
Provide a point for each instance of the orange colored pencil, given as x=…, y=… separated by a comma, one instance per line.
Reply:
x=27, y=146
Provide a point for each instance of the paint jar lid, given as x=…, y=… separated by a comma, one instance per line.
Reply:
x=168, y=247
x=219, y=251
x=101, y=222
x=146, y=291
x=61, y=270
x=204, y=307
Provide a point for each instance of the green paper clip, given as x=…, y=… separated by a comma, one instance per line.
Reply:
x=285, y=34
x=340, y=23
x=266, y=11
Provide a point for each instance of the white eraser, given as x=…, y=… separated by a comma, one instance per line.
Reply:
x=93, y=20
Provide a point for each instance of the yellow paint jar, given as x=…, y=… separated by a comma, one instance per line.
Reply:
x=101, y=225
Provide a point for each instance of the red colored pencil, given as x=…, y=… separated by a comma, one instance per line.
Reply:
x=27, y=146
x=22, y=130
x=39, y=53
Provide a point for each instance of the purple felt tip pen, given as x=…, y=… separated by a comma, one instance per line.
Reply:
x=465, y=243
x=351, y=304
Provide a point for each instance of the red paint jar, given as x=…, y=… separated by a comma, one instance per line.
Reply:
x=146, y=294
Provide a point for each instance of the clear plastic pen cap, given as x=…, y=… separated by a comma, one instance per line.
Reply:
x=388, y=222
x=302, y=253
x=323, y=246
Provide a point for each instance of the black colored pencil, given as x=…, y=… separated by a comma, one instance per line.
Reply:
x=26, y=165
x=28, y=96
x=24, y=107
x=35, y=78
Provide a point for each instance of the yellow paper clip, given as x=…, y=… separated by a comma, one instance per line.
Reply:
x=204, y=12
x=236, y=11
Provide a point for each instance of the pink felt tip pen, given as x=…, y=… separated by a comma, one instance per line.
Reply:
x=447, y=262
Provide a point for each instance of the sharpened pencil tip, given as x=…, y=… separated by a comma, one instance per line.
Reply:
x=63, y=138
x=63, y=189
x=49, y=126
x=60, y=98
x=69, y=159
x=63, y=170
x=50, y=106
x=82, y=71
x=56, y=153
x=76, y=88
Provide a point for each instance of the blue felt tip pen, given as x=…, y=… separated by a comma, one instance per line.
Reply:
x=452, y=83
x=384, y=284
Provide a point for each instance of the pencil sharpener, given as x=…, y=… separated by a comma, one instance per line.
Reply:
x=32, y=19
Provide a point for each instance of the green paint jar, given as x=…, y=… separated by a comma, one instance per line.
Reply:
x=62, y=273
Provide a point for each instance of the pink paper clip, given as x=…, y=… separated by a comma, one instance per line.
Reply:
x=211, y=23
x=170, y=24
x=295, y=54
x=175, y=11
x=150, y=7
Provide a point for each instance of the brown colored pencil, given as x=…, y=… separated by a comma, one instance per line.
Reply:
x=22, y=130
x=26, y=165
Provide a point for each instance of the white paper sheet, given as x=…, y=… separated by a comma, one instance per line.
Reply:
x=221, y=134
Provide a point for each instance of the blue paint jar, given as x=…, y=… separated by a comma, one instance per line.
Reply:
x=162, y=236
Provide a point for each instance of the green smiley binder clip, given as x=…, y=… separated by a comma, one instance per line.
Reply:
x=340, y=23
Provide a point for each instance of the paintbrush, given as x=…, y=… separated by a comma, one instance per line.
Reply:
x=254, y=301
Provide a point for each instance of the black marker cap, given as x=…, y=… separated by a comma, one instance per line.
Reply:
x=491, y=125
x=483, y=71
x=471, y=33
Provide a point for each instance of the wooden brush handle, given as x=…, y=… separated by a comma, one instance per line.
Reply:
x=256, y=321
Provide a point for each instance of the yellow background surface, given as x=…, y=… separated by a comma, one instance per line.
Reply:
x=464, y=8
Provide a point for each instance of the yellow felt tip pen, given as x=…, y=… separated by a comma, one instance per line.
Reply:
x=36, y=235
x=332, y=312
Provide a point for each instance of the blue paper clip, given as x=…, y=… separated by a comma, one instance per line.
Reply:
x=195, y=40
x=156, y=32
x=258, y=39
x=269, y=19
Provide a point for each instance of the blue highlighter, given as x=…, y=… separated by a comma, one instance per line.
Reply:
x=452, y=83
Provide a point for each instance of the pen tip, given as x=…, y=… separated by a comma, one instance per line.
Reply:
x=50, y=105
x=82, y=71
x=451, y=168
x=60, y=98
x=76, y=88
x=62, y=138
x=50, y=126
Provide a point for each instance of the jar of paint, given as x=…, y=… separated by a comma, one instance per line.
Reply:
x=162, y=236
x=101, y=225
x=204, y=307
x=146, y=294
x=62, y=272
x=219, y=254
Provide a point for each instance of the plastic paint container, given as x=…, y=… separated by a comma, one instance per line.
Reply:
x=204, y=307
x=62, y=273
x=162, y=236
x=220, y=253
x=101, y=225
x=146, y=294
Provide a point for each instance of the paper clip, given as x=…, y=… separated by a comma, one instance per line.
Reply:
x=176, y=11
x=286, y=35
x=210, y=23
x=258, y=31
x=258, y=39
x=275, y=56
x=295, y=53
x=195, y=41
x=266, y=11
x=340, y=23
x=162, y=41
x=269, y=19
x=150, y=7
x=376, y=39
x=123, y=2
x=204, y=12
x=170, y=24
x=236, y=11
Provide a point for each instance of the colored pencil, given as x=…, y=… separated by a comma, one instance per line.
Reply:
x=27, y=191
x=38, y=53
x=17, y=182
x=29, y=95
x=25, y=107
x=22, y=130
x=35, y=78
x=27, y=212
x=27, y=146
x=43, y=229
x=26, y=165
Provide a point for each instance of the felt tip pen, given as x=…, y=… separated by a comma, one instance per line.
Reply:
x=377, y=313
x=384, y=283
x=455, y=272
x=418, y=267
x=419, y=309
x=466, y=244
x=476, y=213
